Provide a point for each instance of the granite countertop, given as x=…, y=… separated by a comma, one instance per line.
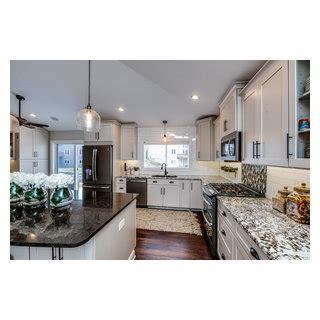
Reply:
x=205, y=179
x=276, y=235
x=90, y=213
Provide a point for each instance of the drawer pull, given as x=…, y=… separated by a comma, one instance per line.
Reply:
x=154, y=181
x=224, y=214
x=223, y=232
x=121, y=188
x=171, y=182
x=254, y=253
x=223, y=257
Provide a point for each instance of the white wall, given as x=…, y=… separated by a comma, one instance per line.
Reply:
x=278, y=177
x=154, y=136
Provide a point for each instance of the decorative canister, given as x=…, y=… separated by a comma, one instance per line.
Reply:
x=35, y=201
x=16, y=202
x=60, y=201
x=298, y=204
x=279, y=202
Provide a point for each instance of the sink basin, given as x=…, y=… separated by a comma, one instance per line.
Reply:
x=163, y=176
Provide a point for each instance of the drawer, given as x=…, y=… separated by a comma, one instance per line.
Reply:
x=172, y=182
x=223, y=252
x=121, y=180
x=226, y=215
x=249, y=245
x=121, y=188
x=225, y=233
x=157, y=181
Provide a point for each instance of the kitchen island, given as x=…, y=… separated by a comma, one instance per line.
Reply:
x=100, y=226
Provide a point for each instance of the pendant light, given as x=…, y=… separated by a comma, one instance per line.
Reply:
x=88, y=119
x=165, y=130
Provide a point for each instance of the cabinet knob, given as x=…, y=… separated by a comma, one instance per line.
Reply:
x=224, y=214
x=223, y=232
x=254, y=253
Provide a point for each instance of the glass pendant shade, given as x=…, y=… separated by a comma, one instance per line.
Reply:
x=88, y=120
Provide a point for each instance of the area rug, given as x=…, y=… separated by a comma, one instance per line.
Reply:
x=168, y=220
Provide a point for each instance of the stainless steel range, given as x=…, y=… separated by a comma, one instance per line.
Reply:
x=209, y=193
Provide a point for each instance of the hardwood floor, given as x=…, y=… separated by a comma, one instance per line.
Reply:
x=160, y=245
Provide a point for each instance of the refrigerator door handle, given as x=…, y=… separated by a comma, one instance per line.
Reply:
x=95, y=151
x=92, y=165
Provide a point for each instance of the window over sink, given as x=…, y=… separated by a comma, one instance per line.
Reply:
x=174, y=155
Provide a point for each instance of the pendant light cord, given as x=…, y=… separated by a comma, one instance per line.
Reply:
x=89, y=106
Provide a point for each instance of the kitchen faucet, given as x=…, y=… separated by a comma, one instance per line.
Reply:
x=165, y=168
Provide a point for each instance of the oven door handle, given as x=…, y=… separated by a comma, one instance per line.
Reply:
x=206, y=201
x=205, y=219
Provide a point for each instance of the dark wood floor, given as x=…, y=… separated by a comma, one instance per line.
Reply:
x=160, y=245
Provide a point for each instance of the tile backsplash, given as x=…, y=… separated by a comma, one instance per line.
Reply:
x=254, y=176
x=278, y=177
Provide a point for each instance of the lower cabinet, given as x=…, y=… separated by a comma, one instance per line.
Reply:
x=175, y=193
x=233, y=242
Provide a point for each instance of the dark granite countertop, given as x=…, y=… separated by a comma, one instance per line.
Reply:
x=90, y=213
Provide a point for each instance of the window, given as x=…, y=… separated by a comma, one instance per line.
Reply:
x=174, y=155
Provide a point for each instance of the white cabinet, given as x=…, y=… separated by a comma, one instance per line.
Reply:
x=105, y=134
x=196, y=201
x=121, y=185
x=299, y=108
x=185, y=194
x=171, y=195
x=129, y=141
x=265, y=116
x=33, y=154
x=155, y=197
x=217, y=139
x=230, y=110
x=205, y=139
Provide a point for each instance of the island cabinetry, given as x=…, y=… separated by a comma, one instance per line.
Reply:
x=115, y=241
x=233, y=241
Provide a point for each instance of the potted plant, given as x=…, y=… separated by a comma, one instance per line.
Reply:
x=61, y=195
x=136, y=170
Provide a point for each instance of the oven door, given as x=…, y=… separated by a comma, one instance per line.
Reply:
x=207, y=218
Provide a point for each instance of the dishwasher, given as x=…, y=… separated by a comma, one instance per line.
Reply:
x=140, y=186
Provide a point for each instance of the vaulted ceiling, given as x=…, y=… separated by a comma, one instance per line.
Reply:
x=149, y=90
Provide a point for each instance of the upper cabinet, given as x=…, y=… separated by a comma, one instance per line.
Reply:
x=269, y=135
x=230, y=110
x=217, y=139
x=129, y=141
x=105, y=134
x=205, y=139
x=33, y=150
x=299, y=113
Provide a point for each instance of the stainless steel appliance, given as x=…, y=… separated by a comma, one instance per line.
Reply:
x=210, y=212
x=97, y=167
x=138, y=185
x=231, y=147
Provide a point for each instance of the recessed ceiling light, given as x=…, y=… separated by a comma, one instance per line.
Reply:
x=32, y=115
x=120, y=109
x=195, y=97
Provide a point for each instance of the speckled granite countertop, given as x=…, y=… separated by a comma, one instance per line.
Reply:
x=278, y=236
x=90, y=213
x=205, y=179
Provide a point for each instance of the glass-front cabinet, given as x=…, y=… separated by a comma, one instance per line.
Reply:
x=299, y=114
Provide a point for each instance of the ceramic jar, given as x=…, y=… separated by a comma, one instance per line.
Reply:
x=279, y=202
x=298, y=204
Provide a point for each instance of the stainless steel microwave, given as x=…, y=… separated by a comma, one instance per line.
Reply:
x=231, y=147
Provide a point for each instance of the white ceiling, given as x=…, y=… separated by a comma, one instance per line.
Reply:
x=149, y=91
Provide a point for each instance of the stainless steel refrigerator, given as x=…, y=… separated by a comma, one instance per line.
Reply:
x=97, y=167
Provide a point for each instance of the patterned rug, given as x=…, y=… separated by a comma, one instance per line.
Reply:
x=168, y=220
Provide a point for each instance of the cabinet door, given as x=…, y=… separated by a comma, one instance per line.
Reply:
x=196, y=201
x=228, y=114
x=155, y=195
x=41, y=166
x=26, y=166
x=272, y=149
x=40, y=143
x=171, y=196
x=185, y=194
x=105, y=133
x=217, y=139
x=128, y=142
x=90, y=136
x=26, y=143
x=204, y=140
x=239, y=253
x=250, y=126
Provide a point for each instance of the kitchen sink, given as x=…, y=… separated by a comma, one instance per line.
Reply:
x=163, y=176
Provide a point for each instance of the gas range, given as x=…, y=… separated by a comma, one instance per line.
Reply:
x=209, y=211
x=230, y=190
